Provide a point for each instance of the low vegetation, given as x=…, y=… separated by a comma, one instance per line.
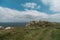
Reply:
x=38, y=24
x=40, y=30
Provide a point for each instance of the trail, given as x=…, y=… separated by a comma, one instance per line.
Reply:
x=30, y=34
x=47, y=37
x=44, y=34
x=39, y=33
x=35, y=34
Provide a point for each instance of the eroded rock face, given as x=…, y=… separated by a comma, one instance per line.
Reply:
x=31, y=23
x=8, y=28
x=34, y=23
x=41, y=24
x=1, y=27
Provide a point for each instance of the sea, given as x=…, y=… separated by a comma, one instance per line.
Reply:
x=8, y=24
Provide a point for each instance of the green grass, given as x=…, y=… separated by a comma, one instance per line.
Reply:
x=21, y=33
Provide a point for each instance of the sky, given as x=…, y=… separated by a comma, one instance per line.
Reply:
x=29, y=10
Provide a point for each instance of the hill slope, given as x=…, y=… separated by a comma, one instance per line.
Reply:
x=24, y=33
x=30, y=34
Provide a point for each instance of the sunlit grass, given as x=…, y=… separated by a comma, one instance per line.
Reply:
x=31, y=33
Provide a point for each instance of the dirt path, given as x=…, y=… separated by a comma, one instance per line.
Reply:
x=44, y=34
x=39, y=33
x=31, y=34
x=47, y=37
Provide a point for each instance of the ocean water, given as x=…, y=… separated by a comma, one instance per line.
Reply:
x=13, y=24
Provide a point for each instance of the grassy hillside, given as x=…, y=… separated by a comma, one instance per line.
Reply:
x=32, y=32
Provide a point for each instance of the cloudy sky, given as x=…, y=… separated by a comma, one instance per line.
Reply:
x=28, y=10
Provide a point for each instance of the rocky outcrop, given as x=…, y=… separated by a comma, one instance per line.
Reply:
x=41, y=24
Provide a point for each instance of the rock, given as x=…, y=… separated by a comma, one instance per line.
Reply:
x=7, y=28
x=1, y=27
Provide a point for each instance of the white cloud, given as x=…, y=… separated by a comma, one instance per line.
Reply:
x=10, y=15
x=55, y=17
x=31, y=5
x=46, y=2
x=54, y=4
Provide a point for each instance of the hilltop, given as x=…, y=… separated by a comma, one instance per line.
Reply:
x=41, y=30
x=43, y=24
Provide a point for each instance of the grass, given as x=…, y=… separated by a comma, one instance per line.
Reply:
x=48, y=33
x=27, y=33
